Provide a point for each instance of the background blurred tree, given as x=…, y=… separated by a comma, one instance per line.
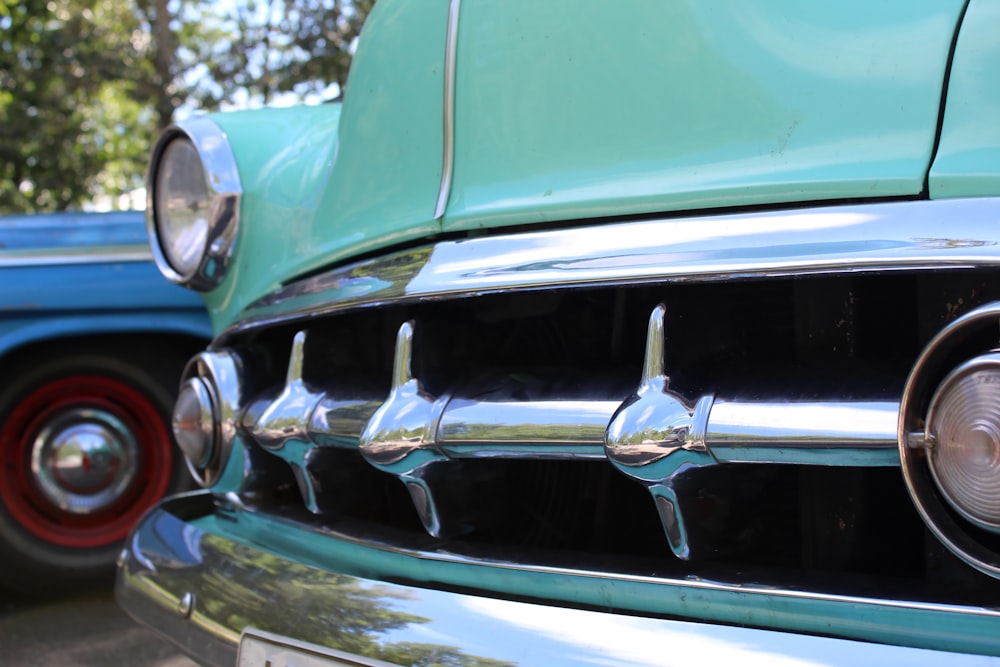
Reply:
x=242, y=53
x=85, y=85
x=66, y=102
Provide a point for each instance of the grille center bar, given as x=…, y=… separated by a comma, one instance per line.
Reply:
x=654, y=436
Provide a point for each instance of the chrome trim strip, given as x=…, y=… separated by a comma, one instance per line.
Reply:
x=804, y=432
x=531, y=429
x=225, y=190
x=448, y=110
x=103, y=254
x=193, y=555
x=915, y=235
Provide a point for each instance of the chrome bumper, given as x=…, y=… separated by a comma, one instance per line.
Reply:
x=201, y=588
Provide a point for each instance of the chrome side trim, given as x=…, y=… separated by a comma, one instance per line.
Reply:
x=167, y=559
x=448, y=110
x=223, y=181
x=916, y=235
x=105, y=254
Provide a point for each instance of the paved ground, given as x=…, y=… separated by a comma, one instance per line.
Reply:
x=88, y=631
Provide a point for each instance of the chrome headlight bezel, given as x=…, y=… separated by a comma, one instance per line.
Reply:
x=220, y=373
x=222, y=182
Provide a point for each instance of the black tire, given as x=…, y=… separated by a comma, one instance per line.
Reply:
x=85, y=449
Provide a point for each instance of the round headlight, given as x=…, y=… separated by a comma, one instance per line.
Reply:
x=964, y=437
x=181, y=200
x=193, y=202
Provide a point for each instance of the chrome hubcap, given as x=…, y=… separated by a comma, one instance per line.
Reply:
x=84, y=460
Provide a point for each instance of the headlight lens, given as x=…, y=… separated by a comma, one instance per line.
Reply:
x=182, y=203
x=193, y=203
x=964, y=424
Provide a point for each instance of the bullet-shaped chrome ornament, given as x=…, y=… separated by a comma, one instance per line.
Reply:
x=656, y=435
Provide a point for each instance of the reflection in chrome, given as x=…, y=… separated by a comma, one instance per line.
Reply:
x=84, y=460
x=566, y=429
x=448, y=110
x=193, y=422
x=110, y=254
x=185, y=606
x=918, y=442
x=829, y=239
x=225, y=191
x=222, y=372
x=479, y=626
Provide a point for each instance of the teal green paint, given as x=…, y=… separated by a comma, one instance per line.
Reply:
x=968, y=158
x=934, y=629
x=284, y=157
x=318, y=190
x=233, y=475
x=571, y=110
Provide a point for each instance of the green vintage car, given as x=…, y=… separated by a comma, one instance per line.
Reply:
x=595, y=333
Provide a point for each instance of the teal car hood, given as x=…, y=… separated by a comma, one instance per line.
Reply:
x=556, y=117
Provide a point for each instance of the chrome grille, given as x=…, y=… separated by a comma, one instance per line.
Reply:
x=740, y=430
x=497, y=455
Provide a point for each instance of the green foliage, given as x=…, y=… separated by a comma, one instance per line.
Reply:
x=85, y=85
x=263, y=48
x=66, y=106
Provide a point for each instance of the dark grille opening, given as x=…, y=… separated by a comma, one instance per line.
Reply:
x=833, y=529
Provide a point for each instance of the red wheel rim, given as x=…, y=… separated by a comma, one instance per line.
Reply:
x=20, y=487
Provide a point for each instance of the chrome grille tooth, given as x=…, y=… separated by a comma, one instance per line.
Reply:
x=401, y=436
x=281, y=427
x=656, y=436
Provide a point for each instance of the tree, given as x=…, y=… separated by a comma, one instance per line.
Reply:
x=207, y=55
x=67, y=107
x=85, y=85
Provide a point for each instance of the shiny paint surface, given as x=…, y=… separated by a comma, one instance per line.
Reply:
x=329, y=184
x=81, y=274
x=284, y=158
x=703, y=108
x=337, y=585
x=918, y=235
x=968, y=159
x=68, y=231
x=659, y=107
